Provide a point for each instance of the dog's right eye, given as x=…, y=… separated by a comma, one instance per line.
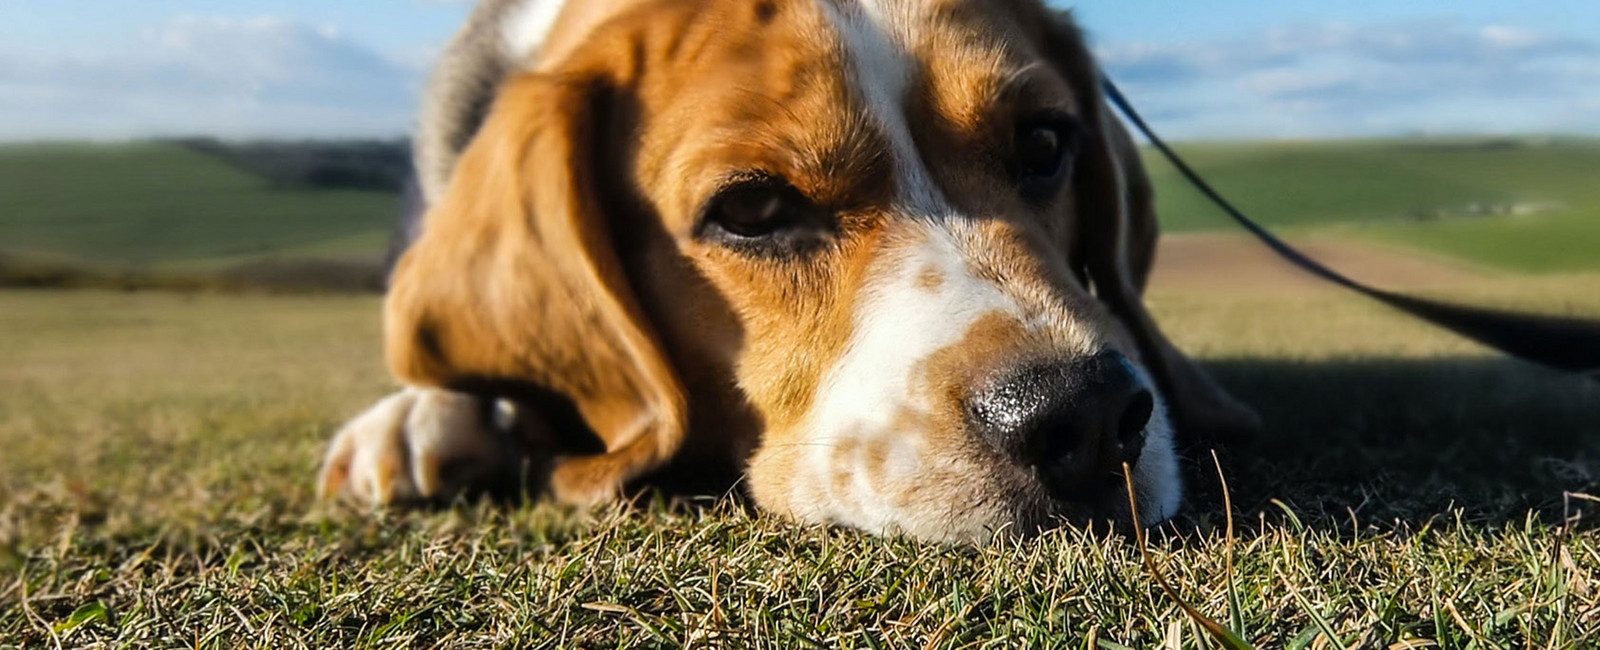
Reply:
x=752, y=211
x=763, y=216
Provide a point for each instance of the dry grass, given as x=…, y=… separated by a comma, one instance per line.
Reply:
x=156, y=451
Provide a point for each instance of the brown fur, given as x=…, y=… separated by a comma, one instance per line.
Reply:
x=517, y=279
x=561, y=255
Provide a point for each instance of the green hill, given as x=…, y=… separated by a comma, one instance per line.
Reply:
x=1522, y=205
x=165, y=204
x=1525, y=205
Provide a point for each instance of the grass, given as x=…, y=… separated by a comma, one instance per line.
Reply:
x=1411, y=193
x=155, y=204
x=155, y=491
x=169, y=207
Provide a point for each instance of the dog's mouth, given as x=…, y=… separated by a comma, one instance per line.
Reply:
x=1111, y=498
x=1099, y=507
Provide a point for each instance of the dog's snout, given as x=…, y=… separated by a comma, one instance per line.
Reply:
x=1074, y=421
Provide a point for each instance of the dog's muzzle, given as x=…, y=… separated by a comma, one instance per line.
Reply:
x=1075, y=422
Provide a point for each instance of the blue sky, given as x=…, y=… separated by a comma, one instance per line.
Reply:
x=108, y=69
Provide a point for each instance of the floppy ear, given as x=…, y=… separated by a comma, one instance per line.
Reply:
x=1115, y=247
x=515, y=282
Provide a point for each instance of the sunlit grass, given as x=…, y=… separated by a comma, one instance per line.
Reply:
x=156, y=452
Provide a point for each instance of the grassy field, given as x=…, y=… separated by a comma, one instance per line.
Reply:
x=1439, y=196
x=166, y=205
x=158, y=449
x=172, y=207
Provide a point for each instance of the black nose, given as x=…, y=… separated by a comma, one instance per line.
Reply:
x=1076, y=421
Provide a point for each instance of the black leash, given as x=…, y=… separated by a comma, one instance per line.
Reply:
x=1571, y=344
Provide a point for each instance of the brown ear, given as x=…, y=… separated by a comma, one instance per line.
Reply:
x=1115, y=247
x=515, y=281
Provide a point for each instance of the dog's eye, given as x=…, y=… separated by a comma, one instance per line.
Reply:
x=753, y=211
x=763, y=215
x=1043, y=153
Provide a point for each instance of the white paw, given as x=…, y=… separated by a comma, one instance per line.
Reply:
x=416, y=444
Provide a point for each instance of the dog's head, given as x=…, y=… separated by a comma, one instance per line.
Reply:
x=887, y=253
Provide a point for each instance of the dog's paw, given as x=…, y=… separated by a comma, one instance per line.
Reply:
x=417, y=444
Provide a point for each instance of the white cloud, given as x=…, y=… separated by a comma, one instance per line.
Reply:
x=284, y=78
x=200, y=75
x=1333, y=79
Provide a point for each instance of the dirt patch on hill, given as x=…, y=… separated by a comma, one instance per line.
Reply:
x=1238, y=263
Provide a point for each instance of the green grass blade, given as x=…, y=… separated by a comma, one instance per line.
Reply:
x=1322, y=623
x=84, y=615
x=1235, y=610
x=1222, y=635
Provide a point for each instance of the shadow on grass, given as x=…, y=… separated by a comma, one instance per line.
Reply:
x=1378, y=443
x=1398, y=442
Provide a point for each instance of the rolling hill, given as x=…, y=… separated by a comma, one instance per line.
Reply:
x=1514, y=204
x=1521, y=205
x=160, y=205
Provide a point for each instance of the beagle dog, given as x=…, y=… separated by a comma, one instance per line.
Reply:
x=879, y=262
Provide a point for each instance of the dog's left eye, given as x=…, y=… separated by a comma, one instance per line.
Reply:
x=1043, y=153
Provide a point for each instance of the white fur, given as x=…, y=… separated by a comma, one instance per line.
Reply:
x=898, y=325
x=395, y=450
x=1157, y=481
x=875, y=37
x=527, y=25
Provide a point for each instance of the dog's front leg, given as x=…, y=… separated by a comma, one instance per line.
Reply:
x=422, y=444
